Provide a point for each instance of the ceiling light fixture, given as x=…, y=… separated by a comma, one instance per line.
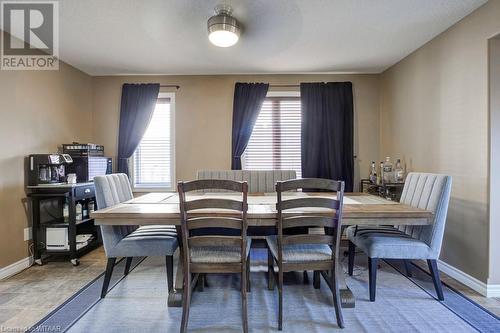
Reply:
x=223, y=29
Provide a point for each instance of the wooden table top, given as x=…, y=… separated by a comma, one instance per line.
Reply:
x=359, y=208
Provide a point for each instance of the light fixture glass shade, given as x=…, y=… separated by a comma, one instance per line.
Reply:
x=223, y=38
x=223, y=29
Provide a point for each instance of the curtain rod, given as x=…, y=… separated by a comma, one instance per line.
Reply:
x=176, y=86
x=284, y=85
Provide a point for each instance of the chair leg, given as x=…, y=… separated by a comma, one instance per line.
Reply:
x=107, y=276
x=316, y=280
x=169, y=263
x=352, y=252
x=408, y=267
x=249, y=288
x=280, y=299
x=186, y=300
x=305, y=277
x=372, y=271
x=201, y=282
x=244, y=314
x=336, y=296
x=128, y=263
x=270, y=270
x=433, y=269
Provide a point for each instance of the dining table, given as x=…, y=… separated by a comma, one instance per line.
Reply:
x=163, y=209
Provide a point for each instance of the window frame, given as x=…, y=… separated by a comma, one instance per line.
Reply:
x=271, y=95
x=171, y=96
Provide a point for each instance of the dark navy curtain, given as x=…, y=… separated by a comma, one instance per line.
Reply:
x=248, y=99
x=327, y=131
x=137, y=106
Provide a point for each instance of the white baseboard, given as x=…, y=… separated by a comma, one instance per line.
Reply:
x=15, y=268
x=491, y=290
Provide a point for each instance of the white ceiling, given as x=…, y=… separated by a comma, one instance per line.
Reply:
x=112, y=37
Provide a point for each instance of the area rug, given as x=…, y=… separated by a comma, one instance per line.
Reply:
x=137, y=303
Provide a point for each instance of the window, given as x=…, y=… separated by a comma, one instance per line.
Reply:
x=275, y=140
x=153, y=160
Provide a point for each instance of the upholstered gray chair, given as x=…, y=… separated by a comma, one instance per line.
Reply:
x=422, y=190
x=131, y=241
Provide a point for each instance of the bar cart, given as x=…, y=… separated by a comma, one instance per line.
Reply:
x=391, y=191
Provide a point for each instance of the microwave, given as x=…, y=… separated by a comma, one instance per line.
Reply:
x=87, y=167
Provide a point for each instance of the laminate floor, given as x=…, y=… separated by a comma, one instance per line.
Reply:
x=30, y=295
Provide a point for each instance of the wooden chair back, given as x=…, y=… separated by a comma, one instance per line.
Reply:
x=299, y=224
x=200, y=229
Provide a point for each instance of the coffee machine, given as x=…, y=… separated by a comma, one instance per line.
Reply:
x=47, y=168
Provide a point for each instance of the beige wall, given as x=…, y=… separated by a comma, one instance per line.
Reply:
x=204, y=115
x=434, y=112
x=38, y=111
x=494, y=71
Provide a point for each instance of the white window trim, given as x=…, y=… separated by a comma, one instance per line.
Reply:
x=295, y=93
x=171, y=96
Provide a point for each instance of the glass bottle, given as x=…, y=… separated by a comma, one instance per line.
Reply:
x=373, y=173
x=85, y=210
x=387, y=166
x=398, y=171
x=380, y=178
x=66, y=210
x=79, y=211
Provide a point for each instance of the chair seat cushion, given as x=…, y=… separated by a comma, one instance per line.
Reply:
x=218, y=254
x=151, y=240
x=300, y=252
x=387, y=242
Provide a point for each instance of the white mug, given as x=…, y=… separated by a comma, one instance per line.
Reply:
x=71, y=178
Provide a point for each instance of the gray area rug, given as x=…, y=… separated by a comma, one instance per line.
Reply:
x=138, y=304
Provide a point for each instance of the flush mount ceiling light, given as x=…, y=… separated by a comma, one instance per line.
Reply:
x=223, y=29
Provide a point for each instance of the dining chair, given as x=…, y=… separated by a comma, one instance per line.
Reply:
x=131, y=241
x=206, y=248
x=423, y=190
x=302, y=250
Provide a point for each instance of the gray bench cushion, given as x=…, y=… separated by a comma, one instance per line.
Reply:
x=300, y=253
x=218, y=254
x=388, y=242
x=259, y=181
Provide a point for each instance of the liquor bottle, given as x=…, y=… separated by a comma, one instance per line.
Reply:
x=91, y=206
x=380, y=179
x=85, y=210
x=373, y=173
x=387, y=166
x=398, y=171
x=79, y=209
x=66, y=211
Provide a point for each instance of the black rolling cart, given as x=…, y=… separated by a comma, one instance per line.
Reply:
x=47, y=202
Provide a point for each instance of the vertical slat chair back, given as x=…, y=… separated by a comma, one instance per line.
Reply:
x=259, y=181
x=430, y=192
x=195, y=220
x=330, y=219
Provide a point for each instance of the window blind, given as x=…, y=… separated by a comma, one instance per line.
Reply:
x=153, y=157
x=275, y=140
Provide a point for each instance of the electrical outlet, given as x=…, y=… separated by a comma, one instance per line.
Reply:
x=27, y=234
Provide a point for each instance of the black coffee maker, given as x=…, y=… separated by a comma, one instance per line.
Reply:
x=47, y=168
